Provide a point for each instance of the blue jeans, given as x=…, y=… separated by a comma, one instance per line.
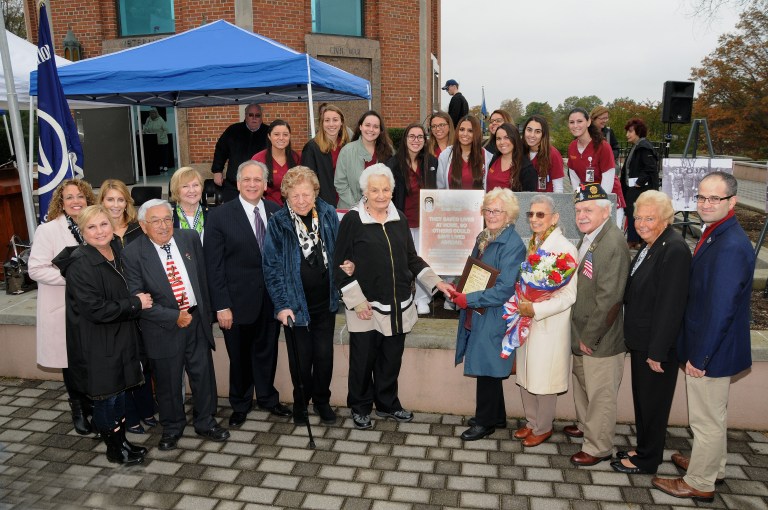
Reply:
x=108, y=412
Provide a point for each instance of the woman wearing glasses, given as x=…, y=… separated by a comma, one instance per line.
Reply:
x=510, y=166
x=544, y=360
x=440, y=133
x=654, y=305
x=638, y=174
x=546, y=159
x=481, y=325
x=414, y=169
x=498, y=117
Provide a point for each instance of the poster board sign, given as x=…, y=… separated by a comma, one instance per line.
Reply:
x=450, y=221
x=681, y=176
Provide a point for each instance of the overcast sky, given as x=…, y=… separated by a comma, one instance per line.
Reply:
x=547, y=50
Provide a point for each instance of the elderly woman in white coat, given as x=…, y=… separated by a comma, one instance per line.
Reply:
x=60, y=231
x=544, y=361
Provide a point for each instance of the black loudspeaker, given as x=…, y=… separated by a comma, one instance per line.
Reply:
x=677, y=102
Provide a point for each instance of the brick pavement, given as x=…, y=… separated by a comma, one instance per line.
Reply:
x=266, y=464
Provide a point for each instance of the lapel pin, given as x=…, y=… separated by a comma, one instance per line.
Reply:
x=189, y=257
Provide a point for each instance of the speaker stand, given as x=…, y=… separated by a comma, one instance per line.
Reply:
x=693, y=139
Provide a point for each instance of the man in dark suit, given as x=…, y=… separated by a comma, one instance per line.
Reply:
x=234, y=237
x=715, y=340
x=597, y=326
x=176, y=331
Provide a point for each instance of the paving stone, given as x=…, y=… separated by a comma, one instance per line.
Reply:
x=400, y=478
x=377, y=492
x=567, y=491
x=498, y=486
x=388, y=505
x=350, y=446
x=422, y=466
x=529, y=459
x=438, y=453
x=347, y=488
x=601, y=493
x=368, y=475
x=611, y=478
x=357, y=504
x=549, y=504
x=379, y=449
x=229, y=505
x=421, y=440
x=466, y=483
x=448, y=468
x=196, y=503
x=305, y=469
x=485, y=470
x=289, y=499
x=385, y=463
x=478, y=500
x=637, y=495
x=349, y=459
x=337, y=472
x=530, y=488
x=276, y=466
x=315, y=485
x=410, y=494
x=154, y=500
x=257, y=495
x=197, y=487
x=446, y=498
x=469, y=456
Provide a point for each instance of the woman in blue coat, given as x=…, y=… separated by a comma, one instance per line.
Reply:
x=298, y=251
x=478, y=340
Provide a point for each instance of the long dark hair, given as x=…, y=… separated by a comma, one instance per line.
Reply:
x=476, y=155
x=517, y=155
x=404, y=157
x=594, y=131
x=383, y=150
x=290, y=161
x=543, y=152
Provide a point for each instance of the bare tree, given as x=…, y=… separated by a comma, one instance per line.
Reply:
x=709, y=9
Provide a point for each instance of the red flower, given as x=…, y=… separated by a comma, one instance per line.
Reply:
x=555, y=277
x=562, y=264
x=534, y=258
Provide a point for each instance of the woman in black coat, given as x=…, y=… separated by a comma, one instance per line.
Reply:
x=102, y=335
x=654, y=305
x=638, y=174
x=322, y=151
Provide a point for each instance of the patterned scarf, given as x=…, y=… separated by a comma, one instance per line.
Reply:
x=534, y=244
x=197, y=222
x=487, y=236
x=309, y=241
x=72, y=224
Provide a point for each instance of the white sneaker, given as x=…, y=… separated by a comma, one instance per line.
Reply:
x=423, y=308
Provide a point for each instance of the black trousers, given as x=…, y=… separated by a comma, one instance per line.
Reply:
x=252, y=350
x=314, y=345
x=489, y=406
x=652, y=394
x=374, y=366
x=198, y=363
x=629, y=211
x=139, y=402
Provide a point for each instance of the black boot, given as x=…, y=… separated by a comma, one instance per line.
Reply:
x=116, y=452
x=140, y=450
x=79, y=419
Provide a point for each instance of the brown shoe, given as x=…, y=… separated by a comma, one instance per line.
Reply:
x=523, y=432
x=585, y=459
x=678, y=488
x=533, y=440
x=573, y=431
x=681, y=461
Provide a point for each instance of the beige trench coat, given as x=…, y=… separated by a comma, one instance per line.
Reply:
x=50, y=239
x=544, y=362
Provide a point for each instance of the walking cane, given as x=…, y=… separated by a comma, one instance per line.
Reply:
x=295, y=349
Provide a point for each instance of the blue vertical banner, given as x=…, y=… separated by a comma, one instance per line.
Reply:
x=60, y=155
x=484, y=111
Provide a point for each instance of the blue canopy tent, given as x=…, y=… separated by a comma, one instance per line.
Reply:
x=212, y=65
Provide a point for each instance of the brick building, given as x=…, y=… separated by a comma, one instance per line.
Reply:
x=393, y=43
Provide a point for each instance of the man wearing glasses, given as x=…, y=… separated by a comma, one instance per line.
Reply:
x=238, y=143
x=714, y=343
x=176, y=332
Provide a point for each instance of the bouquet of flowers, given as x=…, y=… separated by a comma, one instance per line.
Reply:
x=541, y=275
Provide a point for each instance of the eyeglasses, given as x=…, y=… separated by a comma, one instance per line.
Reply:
x=714, y=200
x=416, y=138
x=439, y=126
x=254, y=115
x=539, y=214
x=492, y=212
x=496, y=121
x=161, y=221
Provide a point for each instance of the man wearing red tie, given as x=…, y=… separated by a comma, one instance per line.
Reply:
x=234, y=238
x=176, y=331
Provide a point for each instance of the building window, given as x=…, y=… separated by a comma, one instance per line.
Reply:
x=338, y=17
x=145, y=17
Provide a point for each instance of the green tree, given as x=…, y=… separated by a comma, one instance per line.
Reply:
x=13, y=12
x=539, y=108
x=514, y=107
x=733, y=88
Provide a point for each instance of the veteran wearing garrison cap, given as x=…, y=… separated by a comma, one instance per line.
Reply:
x=597, y=337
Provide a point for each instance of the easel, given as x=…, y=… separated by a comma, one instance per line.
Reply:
x=691, y=146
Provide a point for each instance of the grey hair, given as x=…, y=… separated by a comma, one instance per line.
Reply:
x=731, y=184
x=377, y=169
x=142, y=215
x=250, y=162
x=604, y=203
x=544, y=199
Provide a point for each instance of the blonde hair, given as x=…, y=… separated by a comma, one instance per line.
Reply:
x=56, y=206
x=507, y=198
x=297, y=175
x=129, y=215
x=182, y=176
x=322, y=141
x=91, y=212
x=660, y=201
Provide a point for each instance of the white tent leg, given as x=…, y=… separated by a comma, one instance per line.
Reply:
x=31, y=148
x=176, y=137
x=141, y=145
x=309, y=101
x=133, y=146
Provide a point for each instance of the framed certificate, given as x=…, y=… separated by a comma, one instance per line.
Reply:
x=477, y=276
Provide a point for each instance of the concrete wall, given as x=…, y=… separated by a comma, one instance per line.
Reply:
x=429, y=381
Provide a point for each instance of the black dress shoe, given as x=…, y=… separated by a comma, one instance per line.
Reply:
x=237, y=418
x=477, y=432
x=168, y=442
x=501, y=425
x=215, y=433
x=621, y=454
x=278, y=410
x=621, y=468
